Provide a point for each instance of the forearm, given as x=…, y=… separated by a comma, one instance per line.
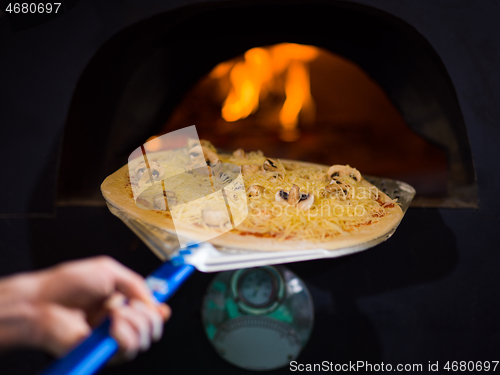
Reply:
x=16, y=325
x=18, y=311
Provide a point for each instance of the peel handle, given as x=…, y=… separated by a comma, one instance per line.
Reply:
x=93, y=353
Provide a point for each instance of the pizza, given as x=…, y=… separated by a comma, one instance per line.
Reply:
x=247, y=200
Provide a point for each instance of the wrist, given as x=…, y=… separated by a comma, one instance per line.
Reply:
x=18, y=310
x=17, y=323
x=24, y=286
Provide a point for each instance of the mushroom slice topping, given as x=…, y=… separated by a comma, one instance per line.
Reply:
x=156, y=170
x=214, y=218
x=270, y=165
x=240, y=154
x=294, y=197
x=337, y=188
x=340, y=189
x=193, y=142
x=281, y=196
x=139, y=170
x=332, y=188
x=306, y=201
x=208, y=145
x=216, y=168
x=344, y=170
x=225, y=178
x=255, y=191
x=142, y=174
x=250, y=169
x=198, y=154
x=198, y=169
x=159, y=202
x=222, y=180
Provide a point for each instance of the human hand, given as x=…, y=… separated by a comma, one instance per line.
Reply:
x=55, y=308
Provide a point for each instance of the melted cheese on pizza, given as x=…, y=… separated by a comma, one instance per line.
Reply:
x=353, y=204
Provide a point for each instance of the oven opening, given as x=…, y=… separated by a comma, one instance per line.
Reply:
x=301, y=102
x=310, y=86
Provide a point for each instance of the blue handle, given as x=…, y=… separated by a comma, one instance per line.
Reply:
x=93, y=353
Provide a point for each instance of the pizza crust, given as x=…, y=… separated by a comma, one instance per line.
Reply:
x=117, y=191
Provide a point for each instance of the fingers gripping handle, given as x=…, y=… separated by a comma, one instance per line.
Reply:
x=89, y=356
x=93, y=353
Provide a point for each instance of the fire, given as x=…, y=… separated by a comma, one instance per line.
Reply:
x=282, y=70
x=247, y=79
x=298, y=98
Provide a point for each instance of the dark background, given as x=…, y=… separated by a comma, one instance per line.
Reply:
x=430, y=293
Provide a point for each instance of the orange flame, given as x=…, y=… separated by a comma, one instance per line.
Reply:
x=298, y=94
x=263, y=70
x=247, y=78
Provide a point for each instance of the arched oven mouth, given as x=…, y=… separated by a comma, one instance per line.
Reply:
x=384, y=102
